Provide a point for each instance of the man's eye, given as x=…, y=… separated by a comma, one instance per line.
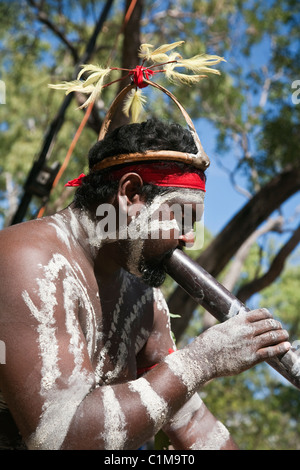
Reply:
x=188, y=226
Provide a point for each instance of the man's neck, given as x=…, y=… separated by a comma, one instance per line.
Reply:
x=100, y=253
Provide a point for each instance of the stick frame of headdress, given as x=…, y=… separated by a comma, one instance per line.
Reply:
x=199, y=160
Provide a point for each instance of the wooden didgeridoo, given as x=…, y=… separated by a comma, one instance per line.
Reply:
x=222, y=304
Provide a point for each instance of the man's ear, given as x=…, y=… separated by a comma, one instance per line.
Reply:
x=129, y=190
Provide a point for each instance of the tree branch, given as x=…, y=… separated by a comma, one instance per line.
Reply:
x=274, y=271
x=43, y=18
x=130, y=58
x=245, y=222
x=58, y=121
x=241, y=255
x=216, y=256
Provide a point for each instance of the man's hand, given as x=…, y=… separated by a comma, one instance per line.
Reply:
x=241, y=342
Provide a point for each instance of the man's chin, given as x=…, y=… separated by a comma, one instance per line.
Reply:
x=153, y=272
x=153, y=277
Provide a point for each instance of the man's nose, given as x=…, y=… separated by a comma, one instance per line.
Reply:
x=187, y=239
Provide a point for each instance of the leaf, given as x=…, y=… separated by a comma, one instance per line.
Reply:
x=92, y=85
x=200, y=63
x=183, y=77
x=65, y=85
x=159, y=54
x=174, y=315
x=134, y=104
x=93, y=68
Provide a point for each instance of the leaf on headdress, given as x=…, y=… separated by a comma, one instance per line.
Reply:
x=65, y=85
x=200, y=63
x=95, y=71
x=183, y=77
x=159, y=54
x=95, y=93
x=197, y=64
x=145, y=51
x=134, y=104
x=92, y=85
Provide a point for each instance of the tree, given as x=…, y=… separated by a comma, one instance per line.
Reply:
x=252, y=107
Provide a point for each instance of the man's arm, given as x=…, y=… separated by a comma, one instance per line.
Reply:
x=193, y=426
x=48, y=380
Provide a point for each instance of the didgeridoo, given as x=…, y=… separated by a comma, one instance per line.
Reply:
x=222, y=304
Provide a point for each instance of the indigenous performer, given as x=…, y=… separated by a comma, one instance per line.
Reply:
x=90, y=359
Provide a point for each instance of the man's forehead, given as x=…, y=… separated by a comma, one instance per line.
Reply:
x=181, y=196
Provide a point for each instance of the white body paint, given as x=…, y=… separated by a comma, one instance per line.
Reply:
x=186, y=369
x=157, y=407
x=115, y=434
x=214, y=440
x=60, y=404
x=235, y=309
x=185, y=415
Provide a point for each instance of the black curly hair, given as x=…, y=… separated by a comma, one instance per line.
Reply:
x=98, y=186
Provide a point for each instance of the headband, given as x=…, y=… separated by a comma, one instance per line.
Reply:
x=159, y=174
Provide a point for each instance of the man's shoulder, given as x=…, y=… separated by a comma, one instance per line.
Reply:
x=25, y=246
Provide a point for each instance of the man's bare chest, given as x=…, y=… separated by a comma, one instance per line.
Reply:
x=123, y=318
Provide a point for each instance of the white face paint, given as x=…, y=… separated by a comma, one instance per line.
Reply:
x=144, y=226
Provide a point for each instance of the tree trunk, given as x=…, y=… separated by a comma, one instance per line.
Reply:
x=130, y=59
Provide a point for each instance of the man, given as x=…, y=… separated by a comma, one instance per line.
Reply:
x=89, y=361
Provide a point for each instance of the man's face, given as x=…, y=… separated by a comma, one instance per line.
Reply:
x=160, y=227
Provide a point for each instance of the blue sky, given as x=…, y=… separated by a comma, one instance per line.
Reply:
x=222, y=201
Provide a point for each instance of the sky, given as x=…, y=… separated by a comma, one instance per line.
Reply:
x=222, y=200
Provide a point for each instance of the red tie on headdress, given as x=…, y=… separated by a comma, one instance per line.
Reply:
x=76, y=181
x=139, y=73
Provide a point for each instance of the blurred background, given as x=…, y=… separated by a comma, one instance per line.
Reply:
x=248, y=120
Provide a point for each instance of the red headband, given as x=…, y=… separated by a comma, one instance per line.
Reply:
x=159, y=174
x=165, y=175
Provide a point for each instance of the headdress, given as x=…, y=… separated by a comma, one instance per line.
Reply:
x=142, y=77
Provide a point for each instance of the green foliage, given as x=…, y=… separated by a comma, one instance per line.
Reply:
x=260, y=412
x=283, y=299
x=249, y=105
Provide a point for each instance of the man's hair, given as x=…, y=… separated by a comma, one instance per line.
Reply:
x=98, y=186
